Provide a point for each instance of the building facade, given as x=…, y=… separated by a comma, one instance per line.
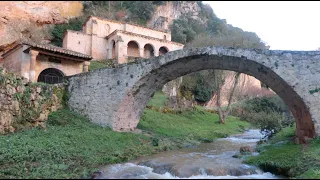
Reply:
x=107, y=39
x=43, y=62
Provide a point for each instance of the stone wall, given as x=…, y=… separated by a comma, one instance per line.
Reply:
x=116, y=97
x=23, y=104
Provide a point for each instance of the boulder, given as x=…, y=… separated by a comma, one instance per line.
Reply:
x=245, y=149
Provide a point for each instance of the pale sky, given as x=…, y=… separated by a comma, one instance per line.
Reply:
x=282, y=25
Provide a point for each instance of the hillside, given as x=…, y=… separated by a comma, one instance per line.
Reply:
x=192, y=23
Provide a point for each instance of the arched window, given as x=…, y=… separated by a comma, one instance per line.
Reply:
x=148, y=51
x=133, y=49
x=165, y=37
x=163, y=50
x=51, y=76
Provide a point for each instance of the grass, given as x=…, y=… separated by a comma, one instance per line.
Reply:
x=99, y=64
x=158, y=99
x=191, y=124
x=282, y=156
x=72, y=147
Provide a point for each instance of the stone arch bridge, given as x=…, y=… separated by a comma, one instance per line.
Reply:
x=116, y=97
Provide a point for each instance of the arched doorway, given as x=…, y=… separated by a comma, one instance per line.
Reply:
x=163, y=50
x=51, y=76
x=133, y=49
x=113, y=49
x=148, y=51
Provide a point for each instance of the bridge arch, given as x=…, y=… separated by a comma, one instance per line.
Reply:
x=273, y=68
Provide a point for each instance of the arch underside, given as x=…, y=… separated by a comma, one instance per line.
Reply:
x=132, y=106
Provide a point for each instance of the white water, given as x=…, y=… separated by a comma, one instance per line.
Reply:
x=208, y=161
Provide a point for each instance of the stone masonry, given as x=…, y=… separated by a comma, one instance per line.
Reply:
x=24, y=104
x=116, y=97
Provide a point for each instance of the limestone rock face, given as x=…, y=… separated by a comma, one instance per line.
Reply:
x=17, y=15
x=173, y=10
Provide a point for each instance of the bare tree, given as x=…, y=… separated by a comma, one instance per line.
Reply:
x=234, y=38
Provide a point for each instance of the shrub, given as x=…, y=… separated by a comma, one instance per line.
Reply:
x=197, y=84
x=185, y=29
x=267, y=113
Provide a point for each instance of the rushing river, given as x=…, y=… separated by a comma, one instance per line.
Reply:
x=206, y=161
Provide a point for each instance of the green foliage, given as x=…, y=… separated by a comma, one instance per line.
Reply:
x=73, y=147
x=159, y=3
x=194, y=124
x=217, y=33
x=131, y=11
x=70, y=147
x=184, y=29
x=264, y=112
x=101, y=64
x=266, y=104
x=314, y=90
x=203, y=90
x=29, y=108
x=140, y=10
x=265, y=120
x=59, y=29
x=198, y=85
x=282, y=156
x=158, y=99
x=285, y=134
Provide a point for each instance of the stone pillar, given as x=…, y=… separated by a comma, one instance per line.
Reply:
x=141, y=52
x=86, y=66
x=32, y=70
x=121, y=52
x=109, y=55
x=156, y=52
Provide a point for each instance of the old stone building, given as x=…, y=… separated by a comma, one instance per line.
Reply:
x=107, y=39
x=43, y=62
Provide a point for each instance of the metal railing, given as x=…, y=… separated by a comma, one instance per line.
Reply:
x=49, y=79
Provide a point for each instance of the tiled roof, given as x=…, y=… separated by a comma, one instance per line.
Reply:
x=7, y=47
x=56, y=49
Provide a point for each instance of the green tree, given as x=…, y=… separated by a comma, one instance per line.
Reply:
x=59, y=29
x=185, y=29
x=141, y=11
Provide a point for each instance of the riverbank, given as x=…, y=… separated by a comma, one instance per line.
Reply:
x=282, y=156
x=72, y=147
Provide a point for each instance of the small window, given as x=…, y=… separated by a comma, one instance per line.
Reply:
x=55, y=60
x=165, y=37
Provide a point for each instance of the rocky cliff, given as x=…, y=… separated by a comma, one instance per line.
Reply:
x=172, y=10
x=17, y=17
